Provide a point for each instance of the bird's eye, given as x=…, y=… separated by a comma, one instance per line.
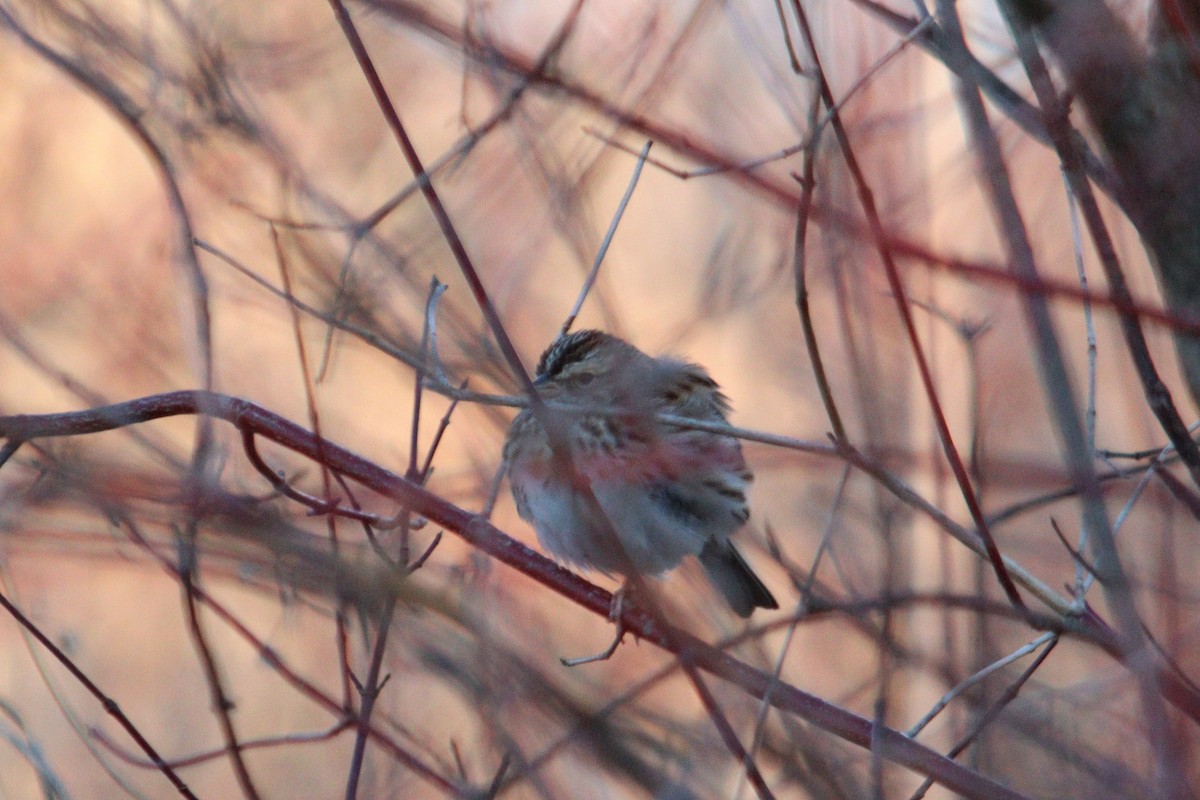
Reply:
x=583, y=378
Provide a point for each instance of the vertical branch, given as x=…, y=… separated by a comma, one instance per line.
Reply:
x=808, y=187
x=881, y=240
x=369, y=690
x=1060, y=397
x=314, y=417
x=1068, y=146
x=212, y=673
x=1081, y=574
x=372, y=685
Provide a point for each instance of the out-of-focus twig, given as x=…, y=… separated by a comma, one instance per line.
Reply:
x=488, y=539
x=888, y=257
x=1060, y=399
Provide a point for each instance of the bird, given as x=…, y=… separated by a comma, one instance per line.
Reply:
x=667, y=492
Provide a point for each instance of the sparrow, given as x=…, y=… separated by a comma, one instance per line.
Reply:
x=668, y=492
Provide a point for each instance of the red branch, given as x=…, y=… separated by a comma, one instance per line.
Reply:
x=482, y=535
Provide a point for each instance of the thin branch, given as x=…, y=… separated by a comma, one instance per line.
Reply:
x=1009, y=695
x=995, y=666
x=1090, y=328
x=608, y=237
x=110, y=706
x=886, y=255
x=340, y=634
x=808, y=186
x=222, y=705
x=787, y=38
x=488, y=539
x=211, y=755
x=369, y=690
x=1057, y=386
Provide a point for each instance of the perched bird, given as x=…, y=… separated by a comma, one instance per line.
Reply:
x=668, y=492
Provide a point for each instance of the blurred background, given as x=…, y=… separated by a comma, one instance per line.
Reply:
x=529, y=118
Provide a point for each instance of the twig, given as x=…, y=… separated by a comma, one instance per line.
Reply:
x=443, y=424
x=314, y=416
x=787, y=41
x=222, y=706
x=421, y=559
x=702, y=172
x=1009, y=695
x=1089, y=322
x=430, y=351
x=369, y=690
x=808, y=185
x=490, y=540
x=1081, y=563
x=948, y=697
x=110, y=706
x=318, y=505
x=867, y=201
x=1056, y=384
x=827, y=532
x=211, y=755
x=608, y=237
x=1090, y=327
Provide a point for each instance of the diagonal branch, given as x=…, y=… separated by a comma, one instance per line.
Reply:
x=247, y=416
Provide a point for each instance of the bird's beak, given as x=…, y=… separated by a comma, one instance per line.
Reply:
x=546, y=388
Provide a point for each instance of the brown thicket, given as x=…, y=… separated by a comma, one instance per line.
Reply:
x=274, y=275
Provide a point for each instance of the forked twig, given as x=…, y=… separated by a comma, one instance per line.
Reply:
x=995, y=666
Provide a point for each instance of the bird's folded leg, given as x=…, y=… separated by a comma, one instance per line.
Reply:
x=615, y=614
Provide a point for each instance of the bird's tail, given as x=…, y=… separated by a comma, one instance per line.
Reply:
x=730, y=573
